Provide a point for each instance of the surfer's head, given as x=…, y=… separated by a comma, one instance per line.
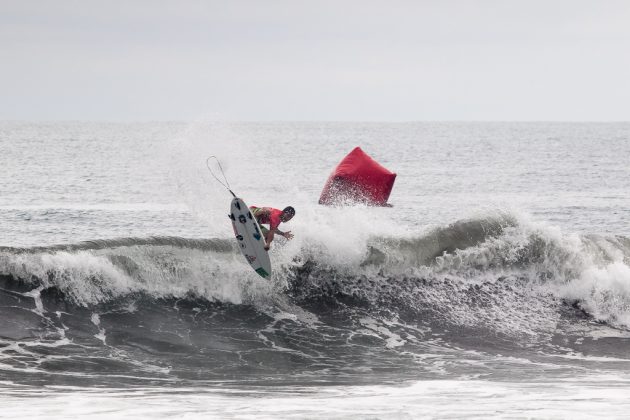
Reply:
x=287, y=214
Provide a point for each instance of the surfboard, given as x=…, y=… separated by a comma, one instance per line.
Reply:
x=250, y=239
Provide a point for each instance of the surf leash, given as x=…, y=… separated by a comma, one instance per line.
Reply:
x=226, y=184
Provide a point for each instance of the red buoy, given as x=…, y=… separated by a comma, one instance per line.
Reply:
x=358, y=179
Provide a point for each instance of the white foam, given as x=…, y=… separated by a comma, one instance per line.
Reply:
x=96, y=320
x=581, y=397
x=90, y=277
x=602, y=291
x=392, y=339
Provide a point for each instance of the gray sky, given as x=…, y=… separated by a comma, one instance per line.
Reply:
x=315, y=60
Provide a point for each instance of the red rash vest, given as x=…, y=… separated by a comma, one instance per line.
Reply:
x=269, y=216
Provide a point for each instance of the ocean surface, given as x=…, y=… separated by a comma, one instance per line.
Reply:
x=497, y=284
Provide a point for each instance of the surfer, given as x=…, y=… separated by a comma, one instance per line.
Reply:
x=273, y=218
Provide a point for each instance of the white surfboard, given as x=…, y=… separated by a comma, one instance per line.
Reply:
x=250, y=238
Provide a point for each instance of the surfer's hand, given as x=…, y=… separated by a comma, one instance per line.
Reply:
x=288, y=235
x=266, y=247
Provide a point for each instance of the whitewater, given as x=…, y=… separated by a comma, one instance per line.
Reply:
x=497, y=284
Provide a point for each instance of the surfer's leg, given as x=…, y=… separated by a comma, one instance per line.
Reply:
x=267, y=234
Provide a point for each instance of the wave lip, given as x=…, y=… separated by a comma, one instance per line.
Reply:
x=423, y=250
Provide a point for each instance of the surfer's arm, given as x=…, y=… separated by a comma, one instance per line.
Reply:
x=286, y=234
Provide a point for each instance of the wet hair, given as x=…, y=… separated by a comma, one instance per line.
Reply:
x=289, y=211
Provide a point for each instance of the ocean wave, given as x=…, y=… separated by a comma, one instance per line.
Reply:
x=176, y=309
x=494, y=271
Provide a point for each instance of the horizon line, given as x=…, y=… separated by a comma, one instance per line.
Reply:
x=248, y=121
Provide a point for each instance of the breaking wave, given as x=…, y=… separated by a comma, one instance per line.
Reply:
x=446, y=267
x=479, y=284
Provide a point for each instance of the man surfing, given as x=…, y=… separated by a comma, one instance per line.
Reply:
x=273, y=218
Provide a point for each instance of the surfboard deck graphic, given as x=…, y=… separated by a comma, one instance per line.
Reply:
x=250, y=239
